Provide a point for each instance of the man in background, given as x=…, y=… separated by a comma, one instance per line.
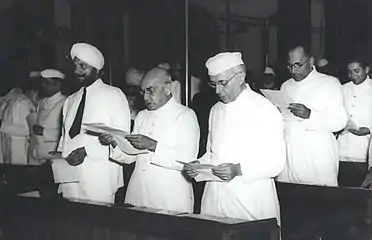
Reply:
x=47, y=128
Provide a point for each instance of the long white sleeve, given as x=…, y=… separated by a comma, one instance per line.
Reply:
x=119, y=115
x=186, y=147
x=266, y=155
x=334, y=116
x=63, y=130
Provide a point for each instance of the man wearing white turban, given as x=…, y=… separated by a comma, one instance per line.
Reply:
x=241, y=126
x=46, y=128
x=95, y=102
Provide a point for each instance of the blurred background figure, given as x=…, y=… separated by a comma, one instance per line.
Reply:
x=268, y=80
x=323, y=66
x=15, y=131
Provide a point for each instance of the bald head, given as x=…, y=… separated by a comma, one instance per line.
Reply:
x=156, y=88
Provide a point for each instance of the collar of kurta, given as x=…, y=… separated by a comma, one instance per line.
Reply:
x=166, y=106
x=50, y=101
x=97, y=83
x=366, y=85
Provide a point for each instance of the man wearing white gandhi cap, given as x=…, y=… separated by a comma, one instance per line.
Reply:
x=46, y=120
x=95, y=102
x=245, y=143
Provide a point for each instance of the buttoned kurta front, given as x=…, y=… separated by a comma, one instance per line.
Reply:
x=248, y=131
x=157, y=180
x=15, y=132
x=312, y=152
x=358, y=103
x=99, y=177
x=48, y=116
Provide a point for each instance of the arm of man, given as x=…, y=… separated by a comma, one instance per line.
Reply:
x=63, y=130
x=119, y=117
x=206, y=158
x=266, y=156
x=334, y=118
x=20, y=126
x=52, y=134
x=186, y=147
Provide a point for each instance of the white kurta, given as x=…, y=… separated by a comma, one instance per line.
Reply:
x=358, y=103
x=157, y=180
x=312, y=152
x=3, y=103
x=99, y=177
x=48, y=115
x=248, y=131
x=15, y=132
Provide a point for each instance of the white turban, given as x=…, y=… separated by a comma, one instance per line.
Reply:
x=322, y=62
x=223, y=61
x=34, y=74
x=269, y=70
x=89, y=54
x=52, y=73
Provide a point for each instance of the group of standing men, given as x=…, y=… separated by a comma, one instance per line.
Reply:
x=249, y=142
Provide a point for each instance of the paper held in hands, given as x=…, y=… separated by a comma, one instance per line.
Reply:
x=205, y=172
x=281, y=100
x=119, y=137
x=62, y=171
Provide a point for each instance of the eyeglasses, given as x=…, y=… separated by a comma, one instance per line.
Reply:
x=297, y=65
x=221, y=83
x=151, y=90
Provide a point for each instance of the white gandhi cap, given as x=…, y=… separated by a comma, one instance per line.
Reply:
x=89, y=54
x=269, y=70
x=322, y=62
x=52, y=73
x=223, y=61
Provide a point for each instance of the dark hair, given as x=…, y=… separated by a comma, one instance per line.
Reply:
x=358, y=59
x=305, y=47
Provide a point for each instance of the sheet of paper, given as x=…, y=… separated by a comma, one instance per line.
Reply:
x=197, y=165
x=207, y=175
x=352, y=125
x=205, y=172
x=281, y=100
x=64, y=173
x=102, y=128
x=127, y=147
x=119, y=137
x=55, y=155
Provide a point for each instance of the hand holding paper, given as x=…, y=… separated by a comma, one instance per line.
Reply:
x=108, y=135
x=200, y=172
x=281, y=100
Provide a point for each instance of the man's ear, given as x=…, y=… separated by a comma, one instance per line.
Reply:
x=311, y=62
x=241, y=77
x=168, y=88
x=367, y=70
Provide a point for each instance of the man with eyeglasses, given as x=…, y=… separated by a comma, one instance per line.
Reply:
x=318, y=109
x=170, y=133
x=241, y=126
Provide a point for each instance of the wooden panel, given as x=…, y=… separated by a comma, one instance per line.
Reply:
x=329, y=212
x=34, y=218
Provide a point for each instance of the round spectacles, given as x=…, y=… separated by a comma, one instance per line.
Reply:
x=221, y=83
x=297, y=65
